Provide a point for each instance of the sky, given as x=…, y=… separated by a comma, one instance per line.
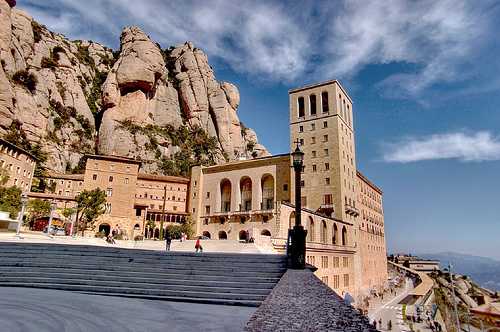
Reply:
x=424, y=77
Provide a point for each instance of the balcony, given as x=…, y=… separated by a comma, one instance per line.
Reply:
x=327, y=207
x=351, y=210
x=268, y=194
x=266, y=208
x=242, y=213
x=222, y=214
x=246, y=194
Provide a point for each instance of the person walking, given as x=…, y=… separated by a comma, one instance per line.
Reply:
x=380, y=323
x=389, y=325
x=169, y=241
x=198, y=246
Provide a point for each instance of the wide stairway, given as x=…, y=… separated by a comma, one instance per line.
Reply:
x=217, y=278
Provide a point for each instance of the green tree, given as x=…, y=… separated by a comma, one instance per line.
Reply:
x=151, y=225
x=90, y=205
x=10, y=200
x=36, y=209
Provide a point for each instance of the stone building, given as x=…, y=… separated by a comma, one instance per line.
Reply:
x=372, y=247
x=347, y=245
x=132, y=198
x=18, y=166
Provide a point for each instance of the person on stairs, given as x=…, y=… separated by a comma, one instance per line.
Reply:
x=198, y=246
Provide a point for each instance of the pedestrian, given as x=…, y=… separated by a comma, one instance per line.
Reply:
x=380, y=323
x=198, y=246
x=246, y=236
x=169, y=241
x=389, y=325
x=375, y=323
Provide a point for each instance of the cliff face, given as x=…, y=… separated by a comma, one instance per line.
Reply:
x=78, y=97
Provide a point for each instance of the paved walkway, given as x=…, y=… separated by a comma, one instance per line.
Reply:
x=44, y=310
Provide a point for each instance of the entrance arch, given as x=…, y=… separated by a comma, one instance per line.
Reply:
x=207, y=234
x=104, y=228
x=242, y=235
x=222, y=235
x=265, y=232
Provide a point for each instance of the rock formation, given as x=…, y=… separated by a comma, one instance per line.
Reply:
x=53, y=87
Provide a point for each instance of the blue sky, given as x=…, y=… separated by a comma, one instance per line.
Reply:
x=424, y=77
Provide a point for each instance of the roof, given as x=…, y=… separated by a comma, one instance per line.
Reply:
x=358, y=173
x=489, y=309
x=66, y=176
x=164, y=178
x=117, y=158
x=4, y=142
x=317, y=85
x=255, y=160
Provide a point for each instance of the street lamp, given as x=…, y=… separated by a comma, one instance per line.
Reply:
x=24, y=202
x=53, y=205
x=298, y=234
x=454, y=299
x=73, y=219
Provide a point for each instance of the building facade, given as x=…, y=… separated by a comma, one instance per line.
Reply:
x=18, y=165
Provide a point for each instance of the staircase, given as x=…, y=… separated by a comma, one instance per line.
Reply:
x=217, y=278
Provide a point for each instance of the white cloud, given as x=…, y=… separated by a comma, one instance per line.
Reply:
x=467, y=147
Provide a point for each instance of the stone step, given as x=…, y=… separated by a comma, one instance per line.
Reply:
x=261, y=283
x=164, y=275
x=141, y=268
x=219, y=298
x=63, y=279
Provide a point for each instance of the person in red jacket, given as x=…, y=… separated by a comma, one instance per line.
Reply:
x=198, y=246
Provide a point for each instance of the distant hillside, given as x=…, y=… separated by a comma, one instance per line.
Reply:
x=483, y=271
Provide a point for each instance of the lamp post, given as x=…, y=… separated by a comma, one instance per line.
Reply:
x=298, y=234
x=53, y=205
x=73, y=219
x=24, y=202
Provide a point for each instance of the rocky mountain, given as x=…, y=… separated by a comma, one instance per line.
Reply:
x=71, y=98
x=481, y=270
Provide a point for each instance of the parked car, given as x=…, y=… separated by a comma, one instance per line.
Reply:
x=58, y=231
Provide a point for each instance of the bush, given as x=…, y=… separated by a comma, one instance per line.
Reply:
x=118, y=236
x=138, y=238
x=99, y=234
x=26, y=79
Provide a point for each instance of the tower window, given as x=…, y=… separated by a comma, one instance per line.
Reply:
x=312, y=101
x=301, y=107
x=324, y=101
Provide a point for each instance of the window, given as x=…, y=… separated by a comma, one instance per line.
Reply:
x=325, y=280
x=67, y=192
x=205, y=222
x=208, y=194
x=312, y=102
x=285, y=187
x=326, y=152
x=126, y=180
x=324, y=102
x=313, y=154
x=207, y=209
x=96, y=165
x=327, y=181
x=325, y=124
x=174, y=208
x=301, y=129
x=302, y=183
x=335, y=262
x=242, y=220
x=345, y=261
x=303, y=201
x=325, y=138
x=107, y=207
x=324, y=262
x=110, y=179
x=314, y=168
x=265, y=219
x=69, y=184
x=94, y=177
x=112, y=167
x=327, y=166
x=301, y=107
x=336, y=281
x=313, y=140
x=127, y=169
x=310, y=260
x=313, y=126
x=346, y=280
x=109, y=192
x=195, y=183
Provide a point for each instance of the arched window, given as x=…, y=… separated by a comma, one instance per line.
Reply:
x=265, y=232
x=246, y=194
x=291, y=220
x=323, y=232
x=207, y=234
x=312, y=102
x=267, y=190
x=324, y=101
x=335, y=235
x=222, y=235
x=310, y=233
x=344, y=236
x=225, y=190
x=301, y=107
